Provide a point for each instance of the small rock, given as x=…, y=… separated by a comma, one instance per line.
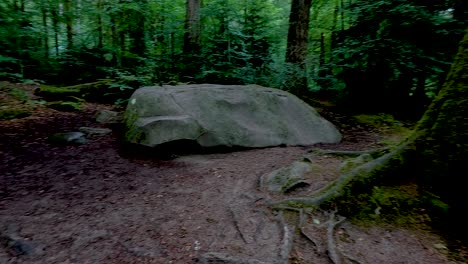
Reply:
x=16, y=245
x=440, y=246
x=93, y=131
x=21, y=247
x=109, y=117
x=68, y=138
x=287, y=178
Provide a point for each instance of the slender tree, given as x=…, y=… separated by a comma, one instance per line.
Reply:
x=68, y=15
x=45, y=30
x=53, y=5
x=100, y=10
x=298, y=35
x=192, y=27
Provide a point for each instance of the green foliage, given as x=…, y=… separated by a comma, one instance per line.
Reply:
x=124, y=83
x=393, y=52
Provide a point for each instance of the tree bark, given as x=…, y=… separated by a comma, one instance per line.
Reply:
x=297, y=44
x=55, y=20
x=192, y=27
x=99, y=22
x=67, y=9
x=298, y=34
x=434, y=155
x=45, y=29
x=137, y=29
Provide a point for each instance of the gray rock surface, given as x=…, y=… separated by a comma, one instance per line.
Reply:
x=287, y=178
x=224, y=115
x=95, y=131
x=68, y=138
x=109, y=117
x=17, y=245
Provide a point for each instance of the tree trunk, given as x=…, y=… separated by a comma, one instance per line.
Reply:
x=137, y=29
x=45, y=29
x=67, y=9
x=434, y=156
x=442, y=136
x=55, y=20
x=99, y=22
x=342, y=15
x=298, y=35
x=192, y=27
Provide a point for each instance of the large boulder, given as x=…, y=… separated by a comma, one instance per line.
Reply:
x=224, y=116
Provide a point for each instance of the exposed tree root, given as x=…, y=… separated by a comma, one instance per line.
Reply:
x=351, y=153
x=302, y=222
x=286, y=242
x=220, y=258
x=332, y=248
x=312, y=240
x=360, y=179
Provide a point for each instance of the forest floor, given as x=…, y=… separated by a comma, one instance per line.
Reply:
x=94, y=203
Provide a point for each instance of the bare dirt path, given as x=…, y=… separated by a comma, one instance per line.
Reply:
x=90, y=204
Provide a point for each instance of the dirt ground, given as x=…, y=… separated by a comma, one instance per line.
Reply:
x=94, y=203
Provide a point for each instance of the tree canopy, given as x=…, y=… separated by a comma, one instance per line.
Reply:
x=396, y=53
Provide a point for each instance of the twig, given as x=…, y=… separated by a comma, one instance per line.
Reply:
x=236, y=225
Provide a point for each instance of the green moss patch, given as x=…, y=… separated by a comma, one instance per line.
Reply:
x=65, y=106
x=8, y=114
x=378, y=120
x=393, y=130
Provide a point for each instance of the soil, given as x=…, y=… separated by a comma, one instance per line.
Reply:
x=95, y=203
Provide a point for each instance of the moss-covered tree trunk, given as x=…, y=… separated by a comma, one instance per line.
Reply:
x=434, y=156
x=441, y=138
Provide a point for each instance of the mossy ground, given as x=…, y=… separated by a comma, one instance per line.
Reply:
x=394, y=131
x=7, y=114
x=65, y=106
